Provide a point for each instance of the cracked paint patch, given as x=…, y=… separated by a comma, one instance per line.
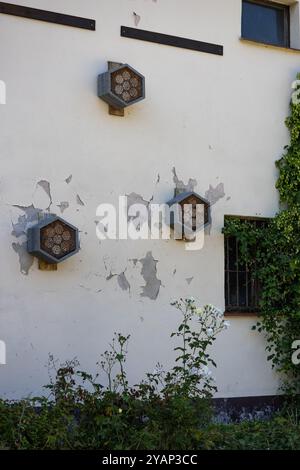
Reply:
x=137, y=18
x=213, y=195
x=134, y=261
x=132, y=199
x=45, y=185
x=25, y=259
x=123, y=282
x=110, y=276
x=149, y=273
x=69, y=179
x=24, y=221
x=79, y=200
x=180, y=186
x=64, y=205
x=31, y=216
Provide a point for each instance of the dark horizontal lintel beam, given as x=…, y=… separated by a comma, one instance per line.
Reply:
x=48, y=16
x=174, y=41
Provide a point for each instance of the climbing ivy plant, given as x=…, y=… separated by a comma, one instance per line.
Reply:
x=272, y=252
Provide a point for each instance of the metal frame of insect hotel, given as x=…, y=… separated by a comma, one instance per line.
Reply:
x=121, y=86
x=186, y=225
x=53, y=240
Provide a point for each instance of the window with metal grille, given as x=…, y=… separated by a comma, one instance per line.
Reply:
x=241, y=287
x=266, y=22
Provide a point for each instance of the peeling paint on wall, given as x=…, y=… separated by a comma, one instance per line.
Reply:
x=137, y=18
x=213, y=195
x=132, y=199
x=24, y=221
x=69, y=179
x=110, y=276
x=123, y=282
x=32, y=215
x=179, y=184
x=25, y=259
x=64, y=205
x=149, y=273
x=45, y=185
x=79, y=201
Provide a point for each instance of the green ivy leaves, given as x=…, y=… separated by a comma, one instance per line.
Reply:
x=274, y=251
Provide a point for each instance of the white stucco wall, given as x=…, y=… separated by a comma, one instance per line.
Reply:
x=215, y=119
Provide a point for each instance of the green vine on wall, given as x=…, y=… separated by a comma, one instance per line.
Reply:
x=272, y=253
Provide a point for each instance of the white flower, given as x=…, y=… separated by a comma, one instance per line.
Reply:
x=212, y=311
x=205, y=372
x=218, y=313
x=209, y=332
x=199, y=311
x=226, y=325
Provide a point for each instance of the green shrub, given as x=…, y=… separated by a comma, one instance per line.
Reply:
x=178, y=424
x=272, y=253
x=164, y=411
x=169, y=410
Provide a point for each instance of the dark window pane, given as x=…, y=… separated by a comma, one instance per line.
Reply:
x=226, y=289
x=265, y=23
x=251, y=291
x=233, y=299
x=254, y=294
x=226, y=253
x=242, y=290
x=241, y=264
x=232, y=253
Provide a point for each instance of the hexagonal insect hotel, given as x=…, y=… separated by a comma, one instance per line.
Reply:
x=121, y=86
x=194, y=214
x=53, y=240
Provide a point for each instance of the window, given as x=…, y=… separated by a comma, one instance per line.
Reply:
x=241, y=289
x=266, y=22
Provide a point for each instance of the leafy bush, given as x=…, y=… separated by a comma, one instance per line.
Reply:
x=272, y=252
x=165, y=411
x=169, y=410
x=174, y=425
x=277, y=434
